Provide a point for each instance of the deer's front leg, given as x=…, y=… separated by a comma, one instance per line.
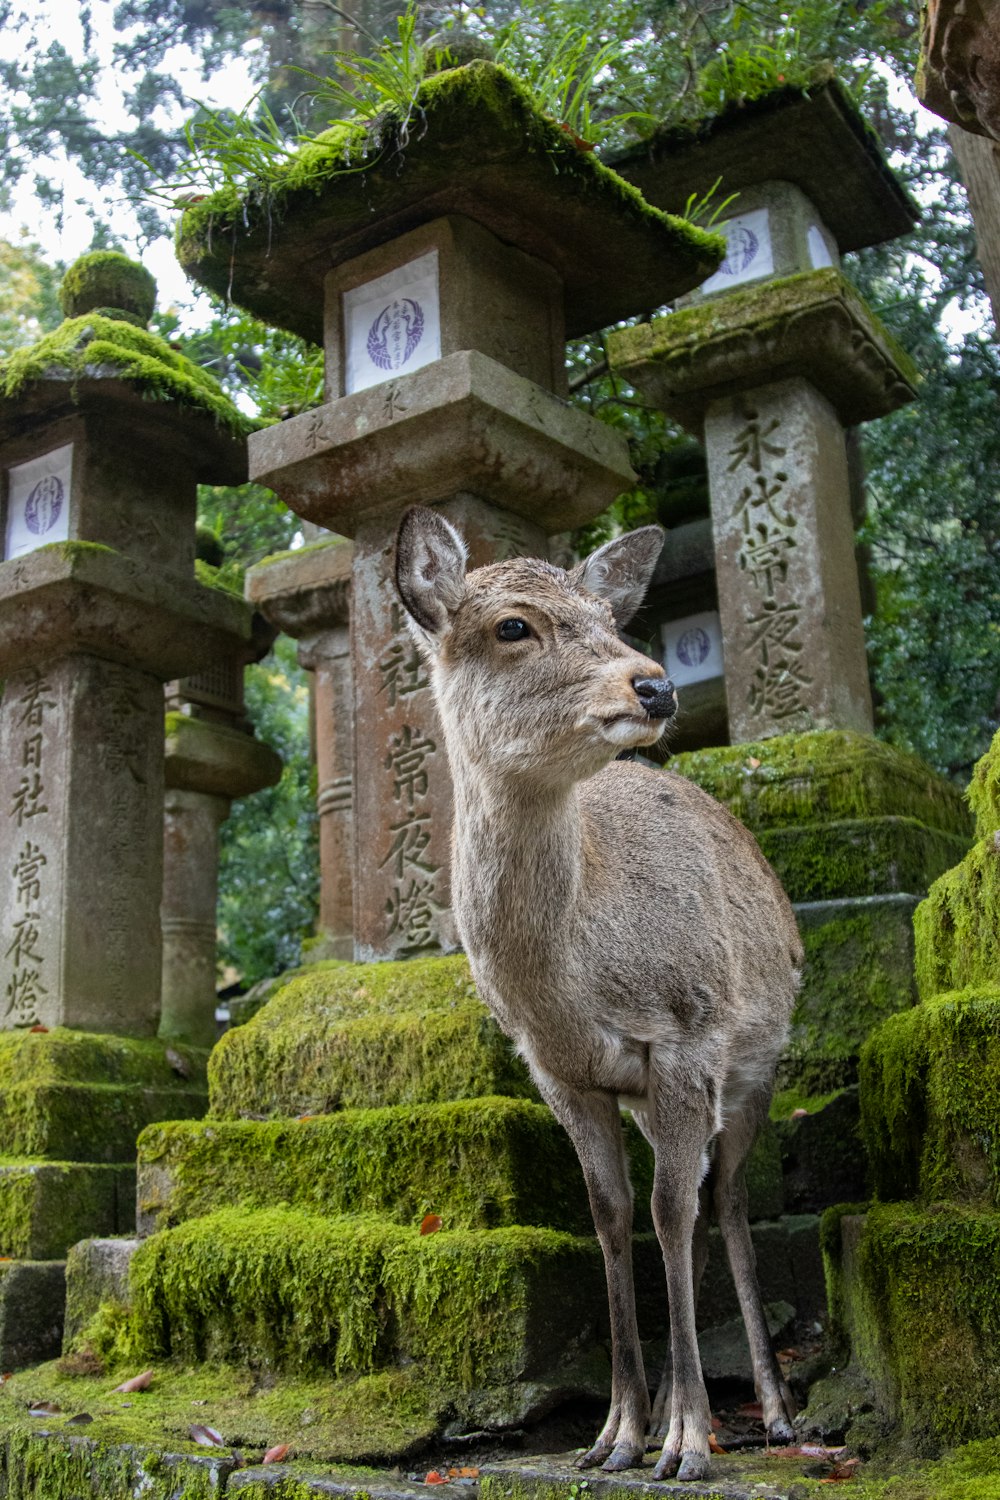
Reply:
x=593, y=1123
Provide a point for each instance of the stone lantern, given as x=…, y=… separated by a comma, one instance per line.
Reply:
x=105, y=434
x=442, y=280
x=770, y=361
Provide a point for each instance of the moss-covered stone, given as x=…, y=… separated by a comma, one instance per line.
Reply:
x=482, y=149
x=284, y=1290
x=32, y=1297
x=984, y=791
x=359, y=1035
x=858, y=971
x=822, y=1157
x=65, y=1056
x=924, y=1310
x=859, y=857
x=930, y=1100
x=108, y=279
x=87, y=1122
x=957, y=928
x=825, y=776
x=64, y=1466
x=46, y=1206
x=95, y=347
x=97, y=1296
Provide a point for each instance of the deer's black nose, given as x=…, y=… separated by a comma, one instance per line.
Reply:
x=657, y=696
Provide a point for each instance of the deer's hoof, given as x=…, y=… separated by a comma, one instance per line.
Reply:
x=594, y=1456
x=780, y=1432
x=693, y=1466
x=623, y=1456
x=667, y=1466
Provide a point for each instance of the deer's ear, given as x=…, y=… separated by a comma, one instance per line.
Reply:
x=430, y=568
x=620, y=571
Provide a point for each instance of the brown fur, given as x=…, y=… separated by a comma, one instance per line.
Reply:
x=625, y=930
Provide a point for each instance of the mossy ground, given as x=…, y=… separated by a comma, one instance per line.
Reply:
x=930, y=1100
x=355, y=1035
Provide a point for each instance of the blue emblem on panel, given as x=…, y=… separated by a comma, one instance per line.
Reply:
x=44, y=504
x=741, y=248
x=395, y=333
x=693, y=647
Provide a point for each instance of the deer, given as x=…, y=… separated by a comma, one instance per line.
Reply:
x=623, y=927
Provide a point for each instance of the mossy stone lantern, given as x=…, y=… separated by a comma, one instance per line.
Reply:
x=105, y=433
x=442, y=265
x=769, y=361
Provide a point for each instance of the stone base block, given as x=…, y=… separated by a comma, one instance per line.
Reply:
x=930, y=1100
x=96, y=1274
x=478, y=1163
x=280, y=1290
x=958, y=927
x=859, y=970
x=365, y=1035
x=917, y=1292
x=87, y=1122
x=32, y=1299
x=859, y=857
x=789, y=1268
x=825, y=776
x=65, y=1056
x=61, y=1467
x=822, y=1158
x=47, y=1206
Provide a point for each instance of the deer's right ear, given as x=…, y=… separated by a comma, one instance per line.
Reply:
x=430, y=568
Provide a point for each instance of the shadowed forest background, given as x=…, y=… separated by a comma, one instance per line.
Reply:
x=610, y=68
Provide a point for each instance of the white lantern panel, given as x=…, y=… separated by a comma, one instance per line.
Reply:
x=749, y=252
x=392, y=325
x=692, y=648
x=38, y=496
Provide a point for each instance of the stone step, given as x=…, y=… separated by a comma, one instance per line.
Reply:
x=32, y=1301
x=930, y=1101
x=478, y=1163
x=822, y=1157
x=958, y=926
x=822, y=777
x=87, y=1122
x=860, y=857
x=64, y=1056
x=364, y=1036
x=46, y=1206
x=916, y=1292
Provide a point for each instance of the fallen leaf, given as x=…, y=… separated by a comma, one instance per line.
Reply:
x=6, y=1257
x=798, y=1114
x=206, y=1436
x=137, y=1383
x=463, y=1473
x=790, y=1354
x=80, y=1420
x=7, y=1375
x=305, y=1117
x=44, y=1409
x=753, y=762
x=751, y=1409
x=431, y=1224
x=716, y=1423
x=714, y=1446
x=38, y=1028
x=432, y=1476
x=841, y=1473
x=180, y=1065
x=276, y=1454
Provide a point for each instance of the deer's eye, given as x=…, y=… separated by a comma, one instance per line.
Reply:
x=513, y=630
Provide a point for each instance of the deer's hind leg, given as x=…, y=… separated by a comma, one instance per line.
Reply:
x=730, y=1199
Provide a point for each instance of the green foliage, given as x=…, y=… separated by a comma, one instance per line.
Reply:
x=29, y=300
x=269, y=861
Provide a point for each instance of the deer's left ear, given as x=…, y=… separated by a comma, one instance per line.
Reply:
x=430, y=569
x=620, y=571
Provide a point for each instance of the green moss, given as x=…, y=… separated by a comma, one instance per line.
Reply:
x=356, y=1035
x=283, y=1290
x=47, y=1206
x=859, y=857
x=984, y=791
x=931, y=1292
x=311, y=547
x=94, y=347
x=65, y=1056
x=957, y=929
x=930, y=1100
x=833, y=1268
x=786, y=1101
x=108, y=279
x=217, y=578
x=822, y=777
x=87, y=1122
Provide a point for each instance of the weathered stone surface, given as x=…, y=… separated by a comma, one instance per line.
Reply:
x=32, y=1297
x=88, y=1469
x=483, y=151
x=822, y=1157
x=858, y=971
x=215, y=760
x=191, y=823
x=813, y=137
x=45, y=1207
x=96, y=1122
x=725, y=1348
x=958, y=75
x=307, y=594
x=813, y=326
x=96, y=1273
x=859, y=857
x=81, y=779
x=737, y=1476
x=462, y=423
x=79, y=597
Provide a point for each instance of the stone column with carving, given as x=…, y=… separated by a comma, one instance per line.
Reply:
x=443, y=303
x=306, y=594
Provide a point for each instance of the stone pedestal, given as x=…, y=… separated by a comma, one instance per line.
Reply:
x=307, y=595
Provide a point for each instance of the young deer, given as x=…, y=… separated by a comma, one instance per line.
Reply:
x=625, y=930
